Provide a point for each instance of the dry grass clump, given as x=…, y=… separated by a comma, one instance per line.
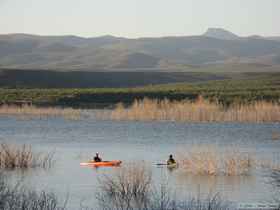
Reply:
x=200, y=110
x=237, y=163
x=132, y=189
x=129, y=188
x=12, y=157
x=41, y=112
x=211, y=161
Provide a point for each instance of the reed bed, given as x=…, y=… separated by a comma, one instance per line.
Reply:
x=211, y=161
x=40, y=112
x=22, y=157
x=200, y=110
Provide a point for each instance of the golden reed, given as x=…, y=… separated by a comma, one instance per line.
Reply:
x=200, y=110
x=211, y=161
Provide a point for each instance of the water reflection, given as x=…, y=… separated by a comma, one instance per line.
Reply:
x=228, y=185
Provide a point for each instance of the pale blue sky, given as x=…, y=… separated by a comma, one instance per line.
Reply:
x=139, y=18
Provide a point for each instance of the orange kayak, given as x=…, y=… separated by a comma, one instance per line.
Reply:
x=103, y=163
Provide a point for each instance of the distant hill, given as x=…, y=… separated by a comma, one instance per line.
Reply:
x=72, y=53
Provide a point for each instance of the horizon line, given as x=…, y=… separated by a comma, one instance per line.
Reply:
x=125, y=37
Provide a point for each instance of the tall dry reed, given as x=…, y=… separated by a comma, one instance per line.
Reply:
x=41, y=112
x=12, y=157
x=200, y=110
x=212, y=161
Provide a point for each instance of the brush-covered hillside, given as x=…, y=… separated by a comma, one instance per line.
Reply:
x=216, y=46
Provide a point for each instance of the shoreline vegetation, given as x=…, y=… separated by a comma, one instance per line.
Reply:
x=200, y=110
x=226, y=92
x=235, y=100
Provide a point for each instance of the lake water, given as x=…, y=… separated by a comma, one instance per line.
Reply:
x=151, y=142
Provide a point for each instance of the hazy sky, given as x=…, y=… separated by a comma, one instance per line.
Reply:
x=138, y=18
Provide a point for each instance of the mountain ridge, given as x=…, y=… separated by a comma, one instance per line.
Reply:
x=27, y=51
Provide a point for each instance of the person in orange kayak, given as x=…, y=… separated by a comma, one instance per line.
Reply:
x=171, y=160
x=97, y=158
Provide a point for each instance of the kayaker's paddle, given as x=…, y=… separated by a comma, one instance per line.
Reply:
x=161, y=164
x=168, y=165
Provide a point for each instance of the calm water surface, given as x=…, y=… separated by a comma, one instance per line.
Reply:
x=151, y=142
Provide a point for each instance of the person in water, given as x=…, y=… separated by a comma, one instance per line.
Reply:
x=171, y=160
x=97, y=158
